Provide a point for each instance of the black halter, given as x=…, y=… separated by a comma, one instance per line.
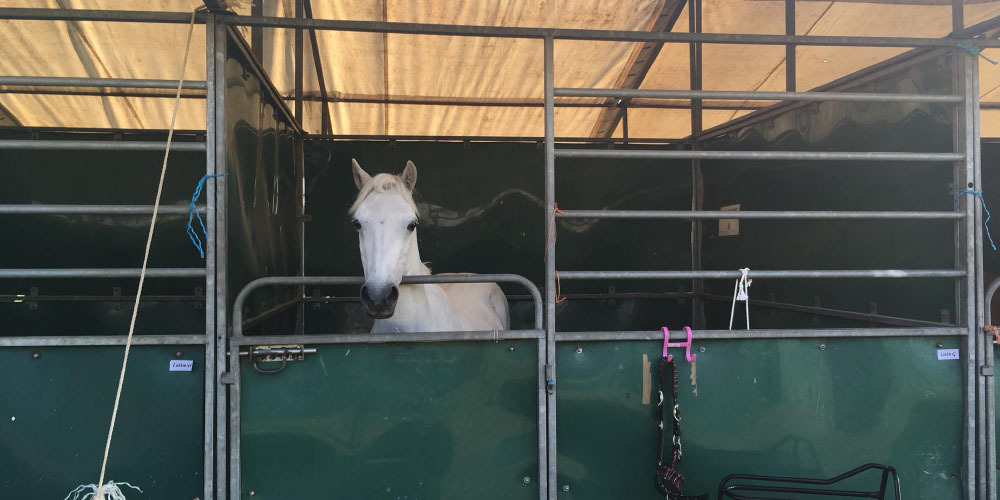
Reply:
x=667, y=480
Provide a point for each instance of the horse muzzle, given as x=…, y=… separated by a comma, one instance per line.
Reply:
x=380, y=300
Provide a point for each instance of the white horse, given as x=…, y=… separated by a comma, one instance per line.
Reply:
x=386, y=219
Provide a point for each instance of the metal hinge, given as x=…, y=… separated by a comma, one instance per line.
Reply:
x=276, y=353
x=986, y=371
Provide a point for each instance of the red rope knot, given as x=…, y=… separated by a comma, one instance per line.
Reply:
x=992, y=329
x=550, y=240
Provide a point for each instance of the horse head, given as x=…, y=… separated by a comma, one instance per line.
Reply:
x=386, y=219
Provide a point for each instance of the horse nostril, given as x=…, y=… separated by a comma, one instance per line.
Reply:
x=365, y=296
x=393, y=294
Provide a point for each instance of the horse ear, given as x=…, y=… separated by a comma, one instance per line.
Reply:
x=360, y=176
x=409, y=175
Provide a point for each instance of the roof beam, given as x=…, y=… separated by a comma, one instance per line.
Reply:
x=638, y=65
x=325, y=125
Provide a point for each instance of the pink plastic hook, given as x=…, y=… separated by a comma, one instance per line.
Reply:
x=686, y=345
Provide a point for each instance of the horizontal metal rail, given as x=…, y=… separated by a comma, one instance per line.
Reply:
x=492, y=138
x=407, y=280
x=79, y=145
x=756, y=96
x=690, y=275
x=179, y=272
x=602, y=336
x=831, y=313
x=759, y=155
x=132, y=83
x=100, y=340
x=128, y=16
x=389, y=338
x=590, y=34
x=94, y=209
x=723, y=214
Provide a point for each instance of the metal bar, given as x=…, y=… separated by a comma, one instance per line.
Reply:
x=226, y=398
x=256, y=32
x=101, y=273
x=325, y=126
x=29, y=14
x=757, y=95
x=210, y=345
x=391, y=338
x=79, y=145
x=790, y=48
x=832, y=313
x=498, y=138
x=587, y=34
x=722, y=214
x=966, y=69
x=548, y=470
x=130, y=83
x=100, y=340
x=297, y=68
x=760, y=155
x=656, y=335
x=696, y=65
x=95, y=209
x=244, y=294
x=811, y=274
x=503, y=102
x=107, y=93
x=272, y=312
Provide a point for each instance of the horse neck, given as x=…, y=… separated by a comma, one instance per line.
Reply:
x=414, y=266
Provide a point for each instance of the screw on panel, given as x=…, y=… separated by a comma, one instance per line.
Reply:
x=253, y=493
x=565, y=487
x=940, y=345
x=701, y=349
x=526, y=479
x=179, y=354
x=822, y=347
x=579, y=350
x=35, y=355
x=511, y=348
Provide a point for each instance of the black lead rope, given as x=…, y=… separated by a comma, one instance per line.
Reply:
x=667, y=480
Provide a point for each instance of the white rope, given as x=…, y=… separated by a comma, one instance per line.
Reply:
x=741, y=294
x=111, y=488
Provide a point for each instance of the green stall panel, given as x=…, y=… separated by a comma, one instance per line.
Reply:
x=435, y=421
x=808, y=408
x=55, y=408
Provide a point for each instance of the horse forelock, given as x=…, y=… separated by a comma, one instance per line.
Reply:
x=384, y=183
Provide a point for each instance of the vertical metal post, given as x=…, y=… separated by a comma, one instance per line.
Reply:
x=299, y=14
x=217, y=191
x=624, y=106
x=697, y=181
x=550, y=266
x=257, y=32
x=970, y=291
x=790, y=48
x=210, y=351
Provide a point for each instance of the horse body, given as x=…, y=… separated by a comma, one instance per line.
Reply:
x=386, y=219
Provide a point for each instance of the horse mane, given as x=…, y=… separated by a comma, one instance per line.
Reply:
x=384, y=183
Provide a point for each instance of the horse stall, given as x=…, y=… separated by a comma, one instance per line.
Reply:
x=814, y=259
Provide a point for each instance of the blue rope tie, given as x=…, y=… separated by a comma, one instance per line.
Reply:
x=986, y=222
x=976, y=52
x=193, y=214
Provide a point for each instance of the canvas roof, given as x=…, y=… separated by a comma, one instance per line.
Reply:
x=372, y=67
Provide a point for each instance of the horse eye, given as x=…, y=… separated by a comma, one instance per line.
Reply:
x=357, y=224
x=411, y=226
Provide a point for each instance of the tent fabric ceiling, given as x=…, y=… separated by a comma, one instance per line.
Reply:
x=373, y=67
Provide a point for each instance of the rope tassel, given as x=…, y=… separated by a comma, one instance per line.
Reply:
x=111, y=491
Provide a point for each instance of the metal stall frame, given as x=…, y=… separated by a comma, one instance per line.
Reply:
x=238, y=341
x=965, y=160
